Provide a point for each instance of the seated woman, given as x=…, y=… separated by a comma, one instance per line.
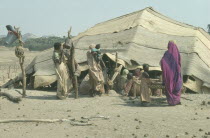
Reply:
x=144, y=87
x=121, y=80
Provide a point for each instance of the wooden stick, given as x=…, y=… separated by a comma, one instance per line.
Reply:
x=103, y=117
x=24, y=75
x=36, y=120
x=21, y=62
x=9, y=71
x=117, y=71
x=116, y=56
x=80, y=124
x=75, y=84
x=69, y=33
x=10, y=97
x=74, y=79
x=19, y=36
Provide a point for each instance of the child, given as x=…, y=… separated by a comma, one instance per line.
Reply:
x=98, y=47
x=128, y=84
x=96, y=52
x=144, y=87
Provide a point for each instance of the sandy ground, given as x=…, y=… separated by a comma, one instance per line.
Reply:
x=126, y=117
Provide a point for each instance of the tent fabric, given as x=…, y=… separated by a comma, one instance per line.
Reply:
x=128, y=66
x=43, y=68
x=143, y=36
x=139, y=37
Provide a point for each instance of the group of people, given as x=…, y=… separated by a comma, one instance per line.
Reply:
x=136, y=83
x=62, y=59
x=63, y=67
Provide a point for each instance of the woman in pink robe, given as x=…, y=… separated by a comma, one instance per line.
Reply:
x=172, y=79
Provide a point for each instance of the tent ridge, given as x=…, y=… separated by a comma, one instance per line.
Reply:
x=146, y=46
x=195, y=36
x=166, y=18
x=122, y=16
x=144, y=28
x=154, y=12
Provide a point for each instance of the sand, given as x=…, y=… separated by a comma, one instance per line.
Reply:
x=125, y=117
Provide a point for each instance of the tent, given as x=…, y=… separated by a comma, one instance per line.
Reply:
x=139, y=37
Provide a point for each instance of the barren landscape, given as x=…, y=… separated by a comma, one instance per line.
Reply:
x=9, y=64
x=110, y=116
x=105, y=69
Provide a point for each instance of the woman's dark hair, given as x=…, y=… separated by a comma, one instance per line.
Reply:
x=98, y=46
x=57, y=46
x=129, y=76
x=146, y=67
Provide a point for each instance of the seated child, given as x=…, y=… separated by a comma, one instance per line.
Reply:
x=128, y=84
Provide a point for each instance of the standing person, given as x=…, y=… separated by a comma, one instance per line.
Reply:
x=63, y=82
x=97, y=52
x=68, y=60
x=144, y=86
x=171, y=73
x=136, y=83
x=128, y=84
x=98, y=58
x=95, y=73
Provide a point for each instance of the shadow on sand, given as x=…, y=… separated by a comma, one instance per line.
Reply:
x=135, y=102
x=43, y=97
x=39, y=96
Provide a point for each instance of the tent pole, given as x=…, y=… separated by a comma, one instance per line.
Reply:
x=73, y=69
x=19, y=52
x=75, y=84
x=116, y=57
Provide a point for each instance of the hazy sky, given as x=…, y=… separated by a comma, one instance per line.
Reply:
x=46, y=17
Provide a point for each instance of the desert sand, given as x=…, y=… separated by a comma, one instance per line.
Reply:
x=124, y=116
